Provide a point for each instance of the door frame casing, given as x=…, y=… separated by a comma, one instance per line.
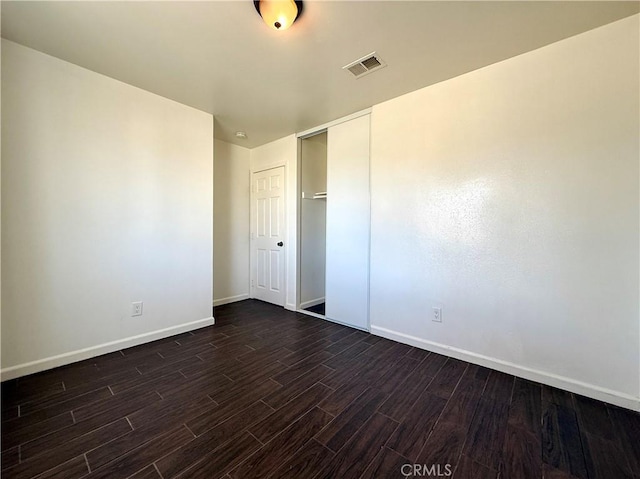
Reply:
x=252, y=227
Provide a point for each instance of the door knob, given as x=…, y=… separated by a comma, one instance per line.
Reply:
x=280, y=243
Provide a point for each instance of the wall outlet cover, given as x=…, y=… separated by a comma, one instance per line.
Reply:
x=136, y=308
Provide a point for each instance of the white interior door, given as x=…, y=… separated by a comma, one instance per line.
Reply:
x=348, y=223
x=268, y=235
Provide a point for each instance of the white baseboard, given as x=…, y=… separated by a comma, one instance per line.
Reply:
x=230, y=299
x=290, y=307
x=13, y=372
x=313, y=302
x=596, y=392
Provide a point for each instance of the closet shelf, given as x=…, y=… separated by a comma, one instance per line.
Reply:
x=320, y=195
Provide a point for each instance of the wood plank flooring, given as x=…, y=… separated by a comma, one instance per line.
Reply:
x=268, y=393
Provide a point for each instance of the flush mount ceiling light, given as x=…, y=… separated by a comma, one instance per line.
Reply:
x=278, y=14
x=241, y=134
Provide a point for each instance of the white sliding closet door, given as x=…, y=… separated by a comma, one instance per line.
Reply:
x=348, y=223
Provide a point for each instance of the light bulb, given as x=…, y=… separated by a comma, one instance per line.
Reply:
x=278, y=14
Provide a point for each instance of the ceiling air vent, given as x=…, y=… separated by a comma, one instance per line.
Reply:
x=365, y=65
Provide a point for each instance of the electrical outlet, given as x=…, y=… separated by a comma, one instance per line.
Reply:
x=136, y=308
x=437, y=315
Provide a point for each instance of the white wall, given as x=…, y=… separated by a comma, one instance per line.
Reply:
x=107, y=197
x=313, y=219
x=283, y=152
x=231, y=223
x=509, y=197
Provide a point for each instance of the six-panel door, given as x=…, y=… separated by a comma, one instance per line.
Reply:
x=268, y=235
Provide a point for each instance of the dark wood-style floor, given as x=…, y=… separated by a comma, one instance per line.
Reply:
x=269, y=393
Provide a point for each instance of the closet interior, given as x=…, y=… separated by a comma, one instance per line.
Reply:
x=313, y=222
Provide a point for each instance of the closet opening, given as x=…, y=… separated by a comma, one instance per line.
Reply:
x=312, y=183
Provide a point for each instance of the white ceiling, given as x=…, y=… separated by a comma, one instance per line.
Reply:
x=219, y=57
